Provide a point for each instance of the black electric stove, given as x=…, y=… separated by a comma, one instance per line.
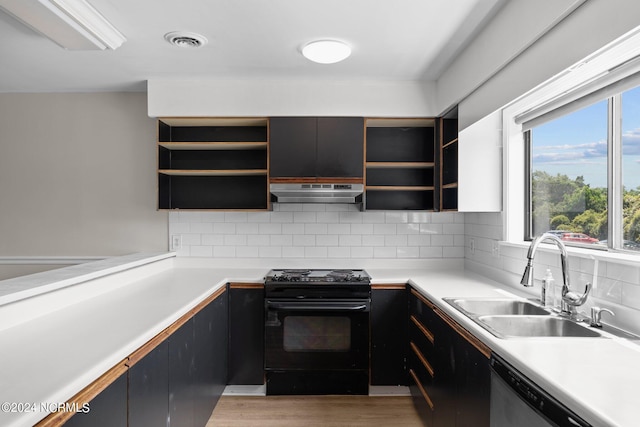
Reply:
x=317, y=331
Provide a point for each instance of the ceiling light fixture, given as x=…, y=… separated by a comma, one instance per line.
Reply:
x=72, y=24
x=185, y=39
x=326, y=51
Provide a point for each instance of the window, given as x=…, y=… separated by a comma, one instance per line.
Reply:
x=584, y=172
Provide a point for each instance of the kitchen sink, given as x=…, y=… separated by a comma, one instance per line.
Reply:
x=534, y=326
x=493, y=306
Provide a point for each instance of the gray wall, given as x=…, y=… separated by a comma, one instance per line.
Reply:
x=78, y=175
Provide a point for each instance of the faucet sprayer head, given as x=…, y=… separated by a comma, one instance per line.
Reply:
x=527, y=277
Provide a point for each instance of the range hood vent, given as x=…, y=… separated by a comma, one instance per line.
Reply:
x=317, y=193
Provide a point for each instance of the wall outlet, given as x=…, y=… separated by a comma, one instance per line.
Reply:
x=495, y=249
x=176, y=242
x=472, y=246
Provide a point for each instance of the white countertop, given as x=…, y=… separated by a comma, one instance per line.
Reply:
x=51, y=354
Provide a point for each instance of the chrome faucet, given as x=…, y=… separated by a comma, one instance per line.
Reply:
x=570, y=299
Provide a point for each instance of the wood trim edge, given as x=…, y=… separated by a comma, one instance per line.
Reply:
x=423, y=299
x=389, y=286
x=423, y=359
x=85, y=396
x=246, y=285
x=427, y=333
x=421, y=388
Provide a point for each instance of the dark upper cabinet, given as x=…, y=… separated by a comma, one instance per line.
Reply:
x=316, y=147
x=292, y=146
x=340, y=147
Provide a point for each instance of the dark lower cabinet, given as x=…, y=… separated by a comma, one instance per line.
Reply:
x=246, y=334
x=197, y=371
x=449, y=368
x=181, y=376
x=107, y=409
x=149, y=388
x=388, y=335
x=211, y=358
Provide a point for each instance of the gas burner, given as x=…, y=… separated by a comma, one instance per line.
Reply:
x=318, y=277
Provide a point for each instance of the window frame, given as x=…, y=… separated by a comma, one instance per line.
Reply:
x=616, y=65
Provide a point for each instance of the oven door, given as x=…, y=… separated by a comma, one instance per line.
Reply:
x=316, y=334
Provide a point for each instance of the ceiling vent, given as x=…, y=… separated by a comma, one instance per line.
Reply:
x=185, y=40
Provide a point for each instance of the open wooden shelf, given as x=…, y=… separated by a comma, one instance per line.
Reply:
x=208, y=163
x=399, y=188
x=400, y=165
x=215, y=145
x=213, y=172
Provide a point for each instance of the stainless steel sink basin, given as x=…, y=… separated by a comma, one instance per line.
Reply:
x=493, y=306
x=534, y=326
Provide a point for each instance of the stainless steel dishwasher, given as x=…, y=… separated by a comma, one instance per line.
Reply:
x=517, y=401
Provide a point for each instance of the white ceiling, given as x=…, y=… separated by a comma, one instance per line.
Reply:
x=400, y=40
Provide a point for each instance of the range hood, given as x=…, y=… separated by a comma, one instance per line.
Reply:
x=316, y=193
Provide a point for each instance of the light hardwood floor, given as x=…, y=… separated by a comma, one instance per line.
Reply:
x=314, y=411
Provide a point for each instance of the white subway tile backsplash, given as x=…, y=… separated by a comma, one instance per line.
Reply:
x=269, y=228
x=304, y=217
x=397, y=240
x=361, y=252
x=328, y=217
x=281, y=240
x=235, y=216
x=396, y=217
x=408, y=252
x=319, y=231
x=419, y=240
x=350, y=240
x=224, y=251
x=339, y=252
x=201, y=251
x=304, y=240
x=292, y=228
x=373, y=240
x=212, y=240
x=270, y=251
x=431, y=228
x=315, y=252
x=224, y=228
x=315, y=228
x=247, y=228
x=408, y=228
x=373, y=217
x=282, y=217
x=361, y=228
x=350, y=217
x=259, y=240
x=384, y=229
x=327, y=240
x=339, y=229
x=247, y=252
x=384, y=252
x=235, y=239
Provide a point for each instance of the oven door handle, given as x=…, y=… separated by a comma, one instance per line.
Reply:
x=318, y=307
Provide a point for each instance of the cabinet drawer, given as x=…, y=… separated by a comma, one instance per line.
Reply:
x=421, y=366
x=422, y=336
x=421, y=308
